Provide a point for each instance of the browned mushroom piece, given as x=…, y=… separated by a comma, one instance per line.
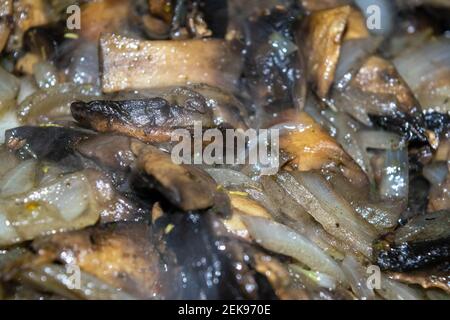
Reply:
x=356, y=26
x=121, y=255
x=437, y=277
x=162, y=9
x=186, y=186
x=130, y=64
x=378, y=76
x=311, y=147
x=149, y=120
x=155, y=119
x=103, y=16
x=227, y=110
x=325, y=30
x=6, y=10
x=26, y=14
x=112, y=151
x=243, y=205
x=314, y=5
x=379, y=90
x=420, y=244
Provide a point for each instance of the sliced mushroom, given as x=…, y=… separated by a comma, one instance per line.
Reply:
x=380, y=77
x=120, y=254
x=155, y=119
x=379, y=90
x=153, y=17
x=242, y=205
x=27, y=14
x=186, y=186
x=438, y=277
x=356, y=26
x=150, y=120
x=98, y=17
x=274, y=72
x=111, y=151
x=46, y=143
x=208, y=261
x=6, y=10
x=422, y=242
x=325, y=31
x=133, y=64
x=311, y=147
x=314, y=5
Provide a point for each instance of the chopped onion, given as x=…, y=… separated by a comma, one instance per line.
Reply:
x=394, y=290
x=426, y=69
x=56, y=279
x=281, y=239
x=54, y=102
x=8, y=160
x=292, y=214
x=353, y=53
x=7, y=231
x=436, y=172
x=378, y=139
x=321, y=279
x=27, y=88
x=331, y=210
x=64, y=205
x=69, y=196
x=19, y=180
x=228, y=177
x=424, y=62
x=429, y=227
x=8, y=120
x=394, y=176
x=357, y=277
x=45, y=74
x=9, y=86
x=84, y=66
x=383, y=215
x=348, y=138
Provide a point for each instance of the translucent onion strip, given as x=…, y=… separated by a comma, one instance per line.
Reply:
x=394, y=176
x=357, y=277
x=56, y=279
x=332, y=211
x=281, y=239
x=65, y=204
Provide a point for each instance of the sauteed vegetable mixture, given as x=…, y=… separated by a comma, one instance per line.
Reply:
x=93, y=204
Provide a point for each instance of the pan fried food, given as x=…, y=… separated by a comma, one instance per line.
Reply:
x=224, y=149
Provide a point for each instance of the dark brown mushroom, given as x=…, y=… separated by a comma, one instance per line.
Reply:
x=121, y=255
x=186, y=186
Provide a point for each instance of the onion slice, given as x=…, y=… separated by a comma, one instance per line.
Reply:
x=357, y=277
x=331, y=210
x=281, y=239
